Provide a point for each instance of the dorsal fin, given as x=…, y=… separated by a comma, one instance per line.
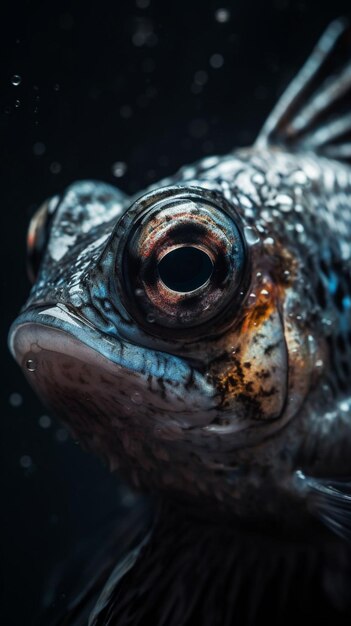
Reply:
x=314, y=113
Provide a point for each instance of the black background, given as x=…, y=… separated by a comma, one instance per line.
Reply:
x=129, y=82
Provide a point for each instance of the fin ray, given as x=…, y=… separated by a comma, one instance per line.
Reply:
x=313, y=112
x=330, y=500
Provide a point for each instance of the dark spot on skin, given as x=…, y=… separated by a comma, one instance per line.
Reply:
x=266, y=393
x=264, y=374
x=162, y=387
x=252, y=406
x=271, y=347
x=221, y=421
x=190, y=381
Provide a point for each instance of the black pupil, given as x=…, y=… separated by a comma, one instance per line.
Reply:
x=185, y=269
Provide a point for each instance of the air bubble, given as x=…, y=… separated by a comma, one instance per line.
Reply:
x=39, y=148
x=16, y=80
x=31, y=365
x=15, y=399
x=200, y=77
x=136, y=397
x=216, y=61
x=251, y=236
x=26, y=461
x=150, y=318
x=61, y=435
x=119, y=169
x=55, y=167
x=222, y=16
x=44, y=421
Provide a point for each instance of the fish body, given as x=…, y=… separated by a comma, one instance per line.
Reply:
x=197, y=336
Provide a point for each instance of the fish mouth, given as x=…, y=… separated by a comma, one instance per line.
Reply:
x=60, y=352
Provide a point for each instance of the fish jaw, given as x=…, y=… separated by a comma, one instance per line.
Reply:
x=157, y=436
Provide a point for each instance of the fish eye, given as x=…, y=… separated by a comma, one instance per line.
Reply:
x=183, y=259
x=37, y=237
x=184, y=269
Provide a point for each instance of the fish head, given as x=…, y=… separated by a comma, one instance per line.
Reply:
x=156, y=330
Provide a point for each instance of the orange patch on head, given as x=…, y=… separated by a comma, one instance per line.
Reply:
x=260, y=306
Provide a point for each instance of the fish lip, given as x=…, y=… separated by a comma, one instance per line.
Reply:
x=99, y=340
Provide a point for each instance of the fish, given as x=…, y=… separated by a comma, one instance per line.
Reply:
x=197, y=335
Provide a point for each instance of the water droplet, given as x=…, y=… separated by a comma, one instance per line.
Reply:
x=150, y=318
x=61, y=435
x=76, y=300
x=264, y=292
x=17, y=103
x=269, y=241
x=344, y=406
x=39, y=148
x=299, y=228
x=319, y=363
x=222, y=16
x=15, y=399
x=44, y=421
x=251, y=236
x=31, y=365
x=16, y=80
x=139, y=292
x=285, y=203
x=119, y=169
x=136, y=397
x=26, y=461
x=216, y=61
x=56, y=87
x=55, y=167
x=200, y=77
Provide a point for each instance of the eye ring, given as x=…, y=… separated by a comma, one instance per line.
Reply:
x=170, y=219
